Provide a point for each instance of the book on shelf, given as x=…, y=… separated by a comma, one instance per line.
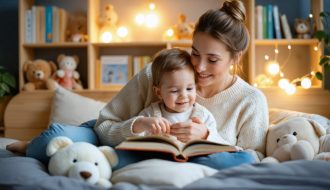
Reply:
x=259, y=22
x=270, y=22
x=285, y=27
x=277, y=25
x=169, y=144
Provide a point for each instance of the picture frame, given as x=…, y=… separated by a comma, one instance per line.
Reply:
x=113, y=71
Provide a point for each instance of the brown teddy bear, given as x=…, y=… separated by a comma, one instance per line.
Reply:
x=108, y=23
x=66, y=75
x=77, y=28
x=183, y=30
x=38, y=75
x=303, y=28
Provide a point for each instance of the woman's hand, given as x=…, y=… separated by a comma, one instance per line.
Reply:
x=190, y=130
x=154, y=125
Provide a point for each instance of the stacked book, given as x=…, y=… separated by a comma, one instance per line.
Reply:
x=45, y=24
x=270, y=24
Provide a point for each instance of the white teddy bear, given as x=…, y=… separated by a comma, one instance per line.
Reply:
x=297, y=138
x=81, y=160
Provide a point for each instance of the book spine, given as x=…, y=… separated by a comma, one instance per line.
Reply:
x=34, y=24
x=49, y=24
x=259, y=22
x=28, y=26
x=286, y=28
x=270, y=22
x=264, y=23
x=277, y=26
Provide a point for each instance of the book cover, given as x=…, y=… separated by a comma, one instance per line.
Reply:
x=115, y=69
x=285, y=27
x=277, y=26
x=169, y=144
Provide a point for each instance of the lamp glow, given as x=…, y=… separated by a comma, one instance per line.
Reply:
x=106, y=37
x=152, y=6
x=306, y=82
x=273, y=68
x=170, y=32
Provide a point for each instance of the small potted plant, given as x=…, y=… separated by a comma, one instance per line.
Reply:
x=7, y=87
x=324, y=36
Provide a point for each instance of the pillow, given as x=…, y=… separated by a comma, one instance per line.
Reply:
x=73, y=109
x=157, y=172
x=278, y=115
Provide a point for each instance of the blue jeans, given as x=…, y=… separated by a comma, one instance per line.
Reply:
x=84, y=132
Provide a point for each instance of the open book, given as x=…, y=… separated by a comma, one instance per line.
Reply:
x=181, y=151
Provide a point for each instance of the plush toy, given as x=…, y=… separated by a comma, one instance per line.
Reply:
x=108, y=23
x=77, y=28
x=303, y=28
x=66, y=75
x=293, y=139
x=81, y=160
x=38, y=75
x=183, y=30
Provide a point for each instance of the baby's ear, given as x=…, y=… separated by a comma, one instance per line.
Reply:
x=156, y=90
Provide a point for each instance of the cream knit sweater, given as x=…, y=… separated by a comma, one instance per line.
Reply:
x=241, y=113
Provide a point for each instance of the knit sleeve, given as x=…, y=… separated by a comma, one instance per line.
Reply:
x=117, y=117
x=254, y=124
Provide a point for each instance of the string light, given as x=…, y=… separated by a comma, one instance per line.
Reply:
x=150, y=20
x=274, y=69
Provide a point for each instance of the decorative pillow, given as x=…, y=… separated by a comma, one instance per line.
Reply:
x=156, y=172
x=73, y=109
x=277, y=115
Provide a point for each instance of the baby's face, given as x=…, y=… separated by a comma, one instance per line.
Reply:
x=177, y=90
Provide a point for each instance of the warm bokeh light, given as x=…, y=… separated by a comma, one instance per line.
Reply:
x=122, y=32
x=170, y=32
x=306, y=82
x=290, y=89
x=266, y=57
x=106, y=37
x=139, y=19
x=273, y=68
x=152, y=6
x=151, y=20
x=289, y=47
x=283, y=83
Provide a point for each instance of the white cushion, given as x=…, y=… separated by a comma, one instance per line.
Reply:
x=73, y=109
x=156, y=172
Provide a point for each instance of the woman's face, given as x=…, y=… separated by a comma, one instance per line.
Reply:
x=211, y=60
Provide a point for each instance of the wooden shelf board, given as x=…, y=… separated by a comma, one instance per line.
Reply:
x=55, y=45
x=273, y=42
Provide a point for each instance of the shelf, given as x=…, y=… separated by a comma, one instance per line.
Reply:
x=56, y=45
x=130, y=44
x=286, y=42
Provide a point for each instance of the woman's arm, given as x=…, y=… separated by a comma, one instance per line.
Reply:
x=254, y=125
x=118, y=116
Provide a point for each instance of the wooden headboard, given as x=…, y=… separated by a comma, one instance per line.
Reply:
x=27, y=114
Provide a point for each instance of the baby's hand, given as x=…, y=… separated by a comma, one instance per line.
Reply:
x=154, y=125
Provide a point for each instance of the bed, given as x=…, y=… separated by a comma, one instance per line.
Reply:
x=36, y=110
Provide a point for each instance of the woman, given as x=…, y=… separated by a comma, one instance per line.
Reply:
x=219, y=41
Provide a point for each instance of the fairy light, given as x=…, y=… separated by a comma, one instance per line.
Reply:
x=273, y=68
x=150, y=20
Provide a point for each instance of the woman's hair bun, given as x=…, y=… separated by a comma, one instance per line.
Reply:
x=235, y=9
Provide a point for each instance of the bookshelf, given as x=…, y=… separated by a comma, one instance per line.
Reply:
x=146, y=43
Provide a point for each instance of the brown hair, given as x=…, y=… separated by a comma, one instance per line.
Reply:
x=169, y=60
x=227, y=25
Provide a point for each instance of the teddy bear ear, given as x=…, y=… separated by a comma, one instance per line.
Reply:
x=53, y=66
x=26, y=65
x=56, y=144
x=317, y=127
x=60, y=57
x=110, y=154
x=76, y=58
